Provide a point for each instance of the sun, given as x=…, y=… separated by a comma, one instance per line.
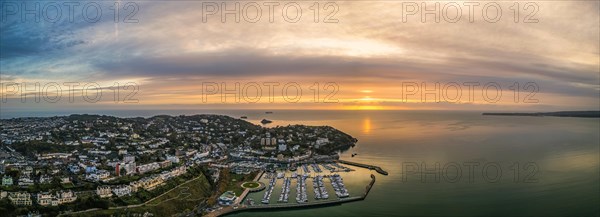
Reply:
x=367, y=98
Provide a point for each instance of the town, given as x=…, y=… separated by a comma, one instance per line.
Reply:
x=74, y=163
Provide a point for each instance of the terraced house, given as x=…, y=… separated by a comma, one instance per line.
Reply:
x=103, y=191
x=20, y=198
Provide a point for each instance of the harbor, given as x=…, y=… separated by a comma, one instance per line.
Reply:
x=288, y=188
x=359, y=196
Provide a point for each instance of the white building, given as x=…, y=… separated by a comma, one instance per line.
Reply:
x=20, y=198
x=147, y=167
x=282, y=147
x=173, y=159
x=25, y=181
x=122, y=190
x=130, y=168
x=321, y=141
x=66, y=196
x=128, y=158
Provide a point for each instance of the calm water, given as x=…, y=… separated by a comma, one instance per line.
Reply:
x=557, y=172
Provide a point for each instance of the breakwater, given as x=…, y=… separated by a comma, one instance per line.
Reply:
x=371, y=167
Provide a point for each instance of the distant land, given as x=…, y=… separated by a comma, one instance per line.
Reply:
x=577, y=114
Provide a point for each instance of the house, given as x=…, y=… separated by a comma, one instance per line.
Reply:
x=130, y=168
x=65, y=180
x=20, y=198
x=321, y=141
x=103, y=191
x=173, y=159
x=282, y=147
x=133, y=187
x=25, y=181
x=128, y=158
x=121, y=190
x=165, y=164
x=103, y=174
x=90, y=169
x=44, y=179
x=7, y=181
x=66, y=197
x=45, y=198
x=74, y=169
x=149, y=183
x=141, y=169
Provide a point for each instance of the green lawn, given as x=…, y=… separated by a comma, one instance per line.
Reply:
x=250, y=185
x=182, y=198
x=235, y=182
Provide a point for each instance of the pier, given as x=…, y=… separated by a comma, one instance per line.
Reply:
x=371, y=167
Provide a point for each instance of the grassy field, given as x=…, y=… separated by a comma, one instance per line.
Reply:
x=250, y=185
x=180, y=199
x=235, y=181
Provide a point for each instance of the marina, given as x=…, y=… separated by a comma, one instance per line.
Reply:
x=320, y=203
x=285, y=193
x=305, y=168
x=338, y=186
x=301, y=196
x=316, y=168
x=300, y=187
x=267, y=195
x=319, y=188
x=329, y=167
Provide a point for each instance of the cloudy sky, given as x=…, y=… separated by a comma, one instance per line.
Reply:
x=359, y=55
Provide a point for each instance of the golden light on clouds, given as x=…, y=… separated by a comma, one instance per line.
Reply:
x=369, y=53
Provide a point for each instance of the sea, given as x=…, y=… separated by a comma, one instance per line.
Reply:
x=447, y=163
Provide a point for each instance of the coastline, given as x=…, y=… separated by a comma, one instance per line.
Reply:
x=572, y=114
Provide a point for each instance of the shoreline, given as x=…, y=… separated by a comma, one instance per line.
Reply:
x=570, y=114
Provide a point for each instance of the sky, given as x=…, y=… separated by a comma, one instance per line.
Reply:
x=364, y=55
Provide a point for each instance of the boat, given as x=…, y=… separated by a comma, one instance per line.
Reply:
x=244, y=117
x=268, y=112
x=265, y=121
